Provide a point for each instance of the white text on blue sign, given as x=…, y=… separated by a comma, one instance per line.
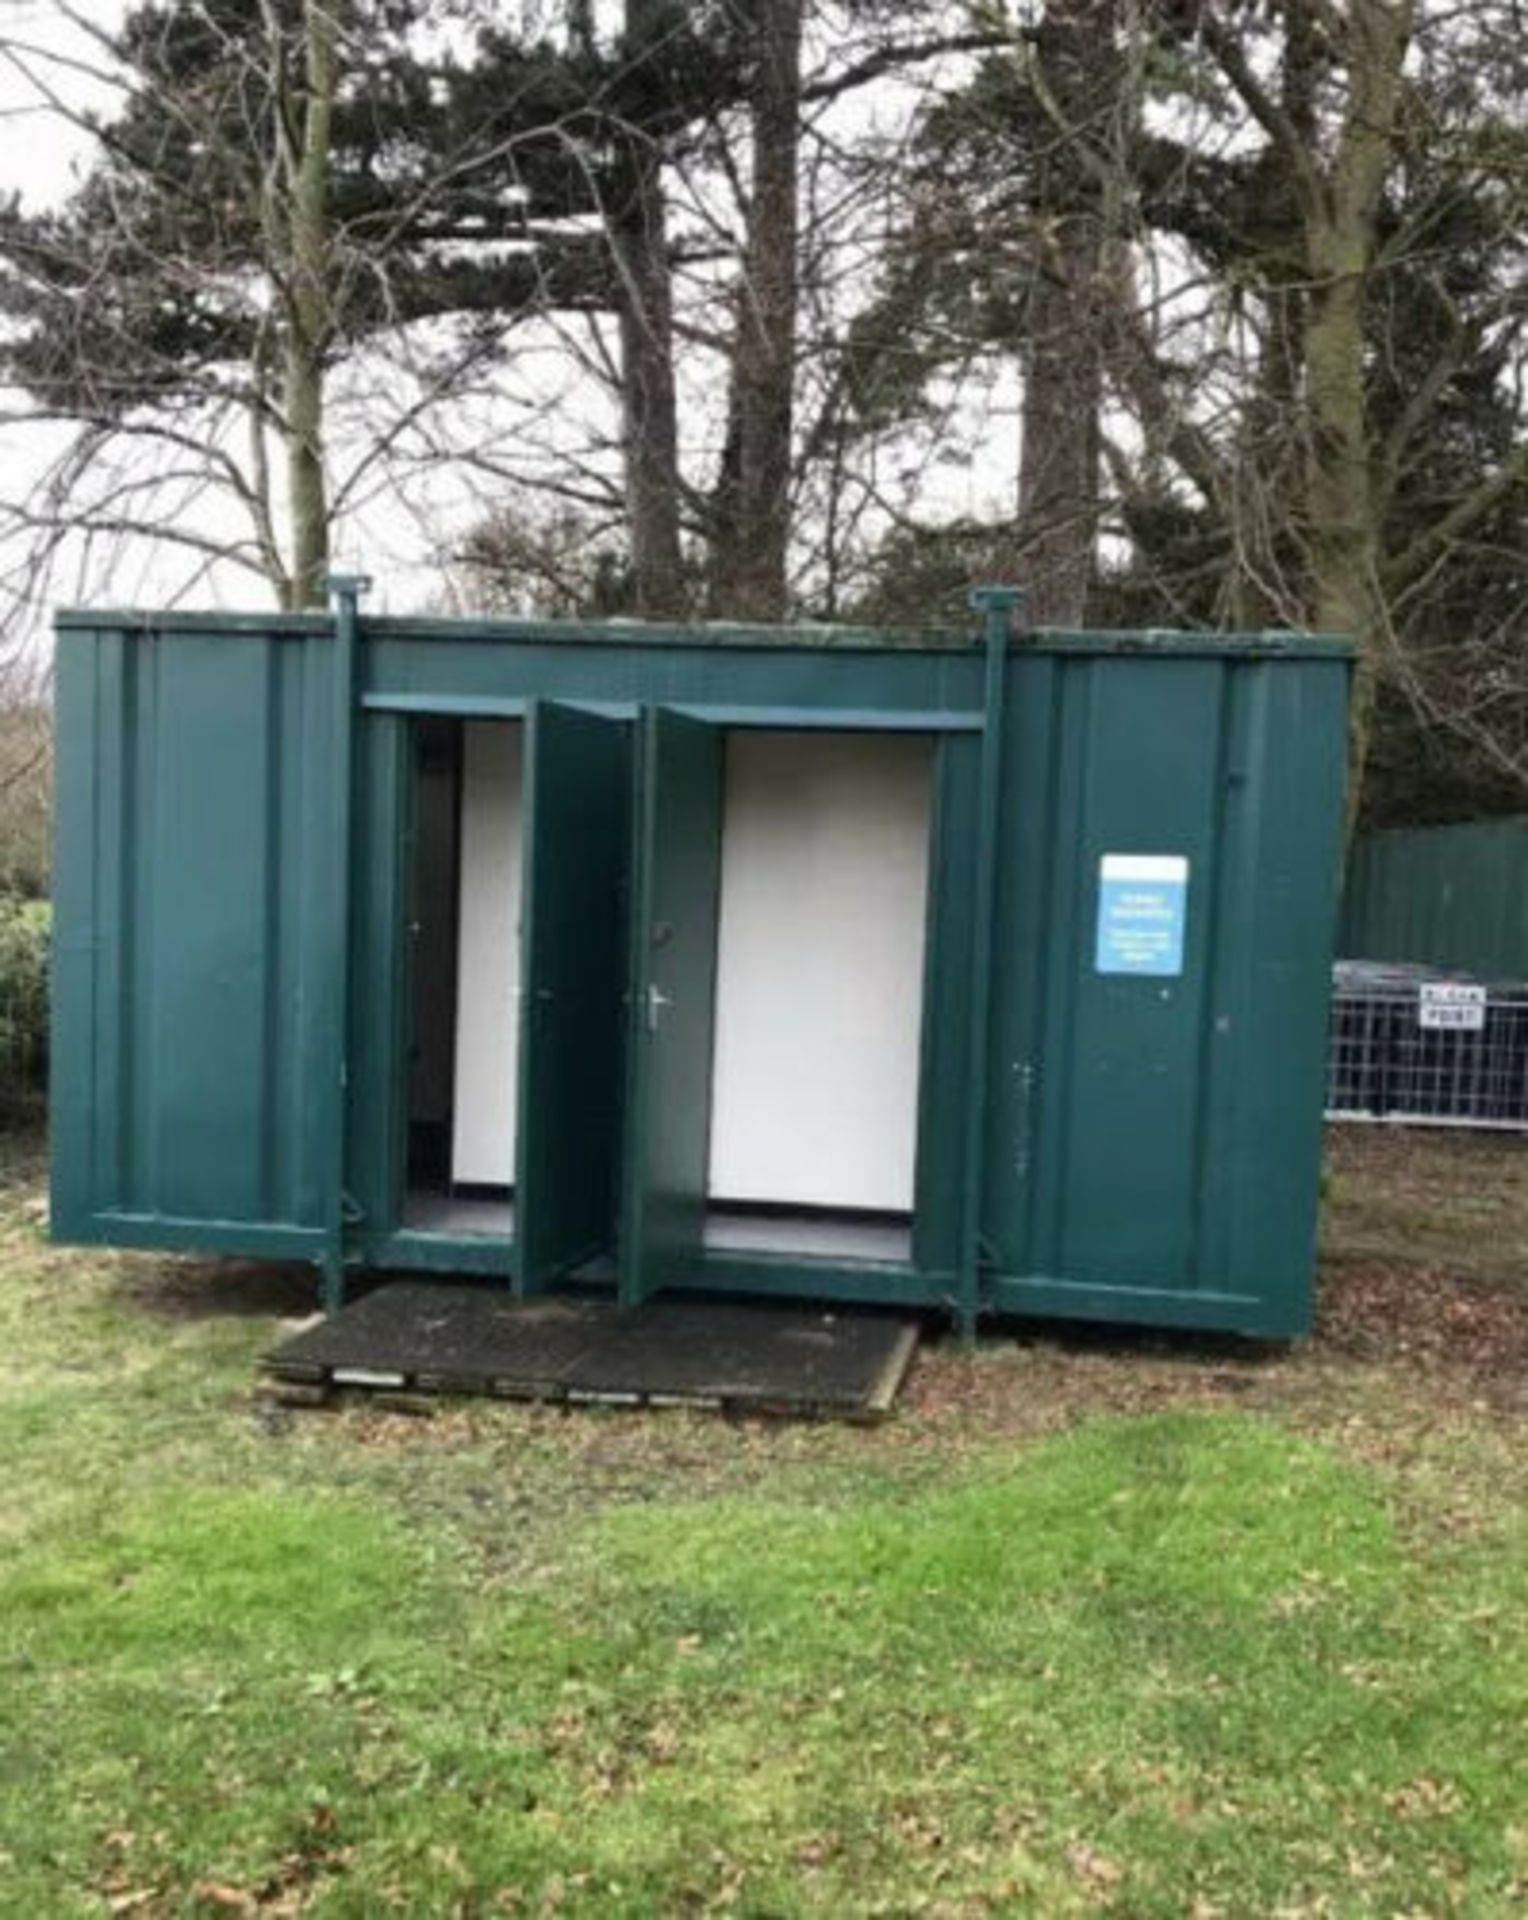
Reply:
x=1142, y=908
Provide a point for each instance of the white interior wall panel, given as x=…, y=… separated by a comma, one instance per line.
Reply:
x=488, y=956
x=820, y=968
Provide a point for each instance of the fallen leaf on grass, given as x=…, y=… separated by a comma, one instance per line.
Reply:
x=1088, y=1864
x=919, y=1831
x=217, y=1894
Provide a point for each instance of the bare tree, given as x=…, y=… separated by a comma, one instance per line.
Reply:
x=1292, y=274
x=771, y=201
x=1364, y=155
x=296, y=248
x=191, y=287
x=1336, y=181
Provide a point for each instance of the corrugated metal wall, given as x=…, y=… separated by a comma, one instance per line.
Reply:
x=1162, y=1134
x=1454, y=897
x=193, y=882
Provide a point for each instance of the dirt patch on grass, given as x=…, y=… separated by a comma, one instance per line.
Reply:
x=1032, y=1383
x=1424, y=1256
x=1424, y=1318
x=222, y=1289
x=1424, y=1274
x=1422, y=1294
x=1455, y=1203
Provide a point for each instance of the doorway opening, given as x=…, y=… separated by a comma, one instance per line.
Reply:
x=463, y=895
x=819, y=993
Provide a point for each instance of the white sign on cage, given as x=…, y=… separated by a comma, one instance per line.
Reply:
x=1449, y=1006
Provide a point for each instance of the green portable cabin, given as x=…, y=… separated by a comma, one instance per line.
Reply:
x=983, y=971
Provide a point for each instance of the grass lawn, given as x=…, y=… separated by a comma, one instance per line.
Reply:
x=1156, y=1627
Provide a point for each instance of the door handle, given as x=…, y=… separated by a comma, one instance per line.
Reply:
x=656, y=1002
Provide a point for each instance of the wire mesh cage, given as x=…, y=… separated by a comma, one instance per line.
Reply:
x=1411, y=1044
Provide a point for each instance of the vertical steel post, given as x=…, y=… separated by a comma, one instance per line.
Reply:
x=998, y=607
x=344, y=591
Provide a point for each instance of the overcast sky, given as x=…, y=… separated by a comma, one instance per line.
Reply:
x=39, y=151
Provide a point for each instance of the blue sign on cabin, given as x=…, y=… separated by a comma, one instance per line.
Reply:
x=1142, y=901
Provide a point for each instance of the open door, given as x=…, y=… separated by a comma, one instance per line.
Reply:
x=678, y=883
x=574, y=975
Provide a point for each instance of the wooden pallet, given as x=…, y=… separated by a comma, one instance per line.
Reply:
x=413, y=1339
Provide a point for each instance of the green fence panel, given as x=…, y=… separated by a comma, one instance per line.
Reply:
x=1451, y=897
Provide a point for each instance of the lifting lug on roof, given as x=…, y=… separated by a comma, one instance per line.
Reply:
x=345, y=589
x=996, y=602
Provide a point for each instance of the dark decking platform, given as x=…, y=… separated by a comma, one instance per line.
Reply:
x=424, y=1337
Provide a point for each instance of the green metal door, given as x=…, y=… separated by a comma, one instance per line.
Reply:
x=573, y=937
x=678, y=873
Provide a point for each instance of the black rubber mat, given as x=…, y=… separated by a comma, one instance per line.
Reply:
x=427, y=1337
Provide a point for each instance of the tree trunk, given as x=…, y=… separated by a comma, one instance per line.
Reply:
x=1077, y=73
x=309, y=315
x=649, y=415
x=650, y=431
x=1343, y=539
x=1059, y=438
x=1263, y=494
x=1342, y=529
x=749, y=575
